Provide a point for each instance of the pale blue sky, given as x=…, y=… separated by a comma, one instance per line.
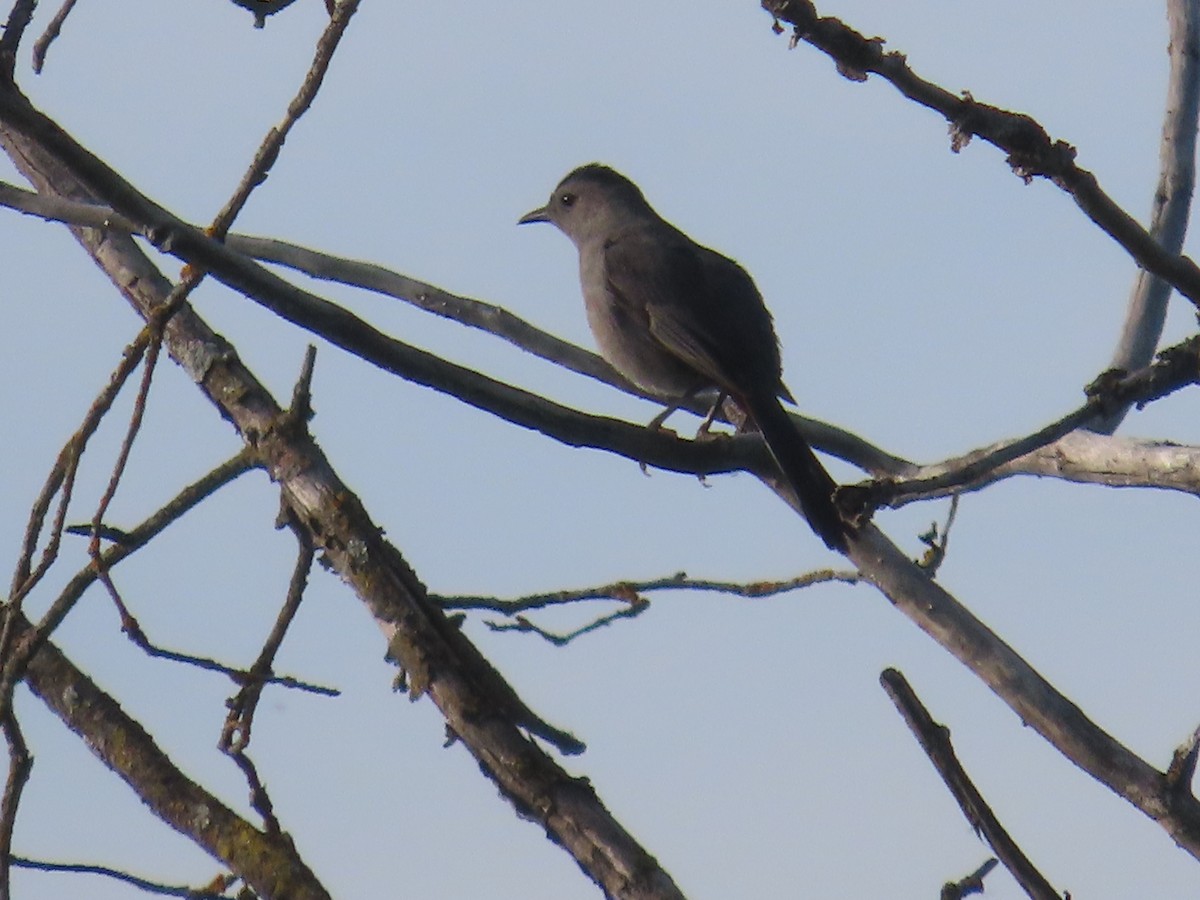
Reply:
x=929, y=301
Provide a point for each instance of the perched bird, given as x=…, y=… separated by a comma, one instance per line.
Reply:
x=676, y=319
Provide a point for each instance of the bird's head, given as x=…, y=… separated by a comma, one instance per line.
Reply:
x=591, y=203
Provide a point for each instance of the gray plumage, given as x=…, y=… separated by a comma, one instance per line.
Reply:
x=676, y=318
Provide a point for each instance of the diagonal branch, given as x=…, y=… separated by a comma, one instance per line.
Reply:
x=1038, y=704
x=132, y=540
x=480, y=708
x=935, y=741
x=1031, y=151
x=267, y=862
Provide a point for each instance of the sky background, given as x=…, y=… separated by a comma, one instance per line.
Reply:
x=930, y=302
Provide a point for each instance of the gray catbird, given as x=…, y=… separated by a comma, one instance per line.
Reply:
x=676, y=319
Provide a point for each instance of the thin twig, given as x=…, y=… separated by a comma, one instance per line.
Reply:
x=136, y=416
x=61, y=481
x=20, y=764
x=141, y=534
x=300, y=410
x=239, y=722
x=62, y=476
x=133, y=630
x=935, y=741
x=134, y=539
x=150, y=887
x=50, y=35
x=629, y=594
x=267, y=863
x=629, y=591
x=1182, y=769
x=268, y=150
x=937, y=544
x=522, y=624
x=260, y=800
x=972, y=884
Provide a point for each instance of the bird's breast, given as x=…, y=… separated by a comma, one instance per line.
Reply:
x=621, y=329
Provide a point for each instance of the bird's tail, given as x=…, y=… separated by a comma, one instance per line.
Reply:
x=813, y=485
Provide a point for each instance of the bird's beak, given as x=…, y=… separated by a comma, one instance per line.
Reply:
x=537, y=215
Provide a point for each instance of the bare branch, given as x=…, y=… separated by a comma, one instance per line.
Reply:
x=133, y=630
x=60, y=209
x=935, y=741
x=135, y=423
x=1031, y=697
x=1031, y=152
x=1003, y=670
x=1175, y=368
x=1147, y=309
x=268, y=151
x=477, y=314
x=518, y=407
x=50, y=35
x=522, y=624
x=15, y=661
x=1183, y=765
x=972, y=884
x=62, y=476
x=260, y=800
x=139, y=536
x=936, y=543
x=20, y=764
x=235, y=735
x=268, y=863
x=18, y=20
x=629, y=591
x=437, y=659
x=144, y=884
x=481, y=709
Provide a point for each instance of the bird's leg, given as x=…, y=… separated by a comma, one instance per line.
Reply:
x=656, y=423
x=712, y=415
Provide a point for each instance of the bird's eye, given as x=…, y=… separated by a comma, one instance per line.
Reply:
x=567, y=199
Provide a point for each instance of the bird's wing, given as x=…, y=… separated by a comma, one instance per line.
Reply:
x=700, y=306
